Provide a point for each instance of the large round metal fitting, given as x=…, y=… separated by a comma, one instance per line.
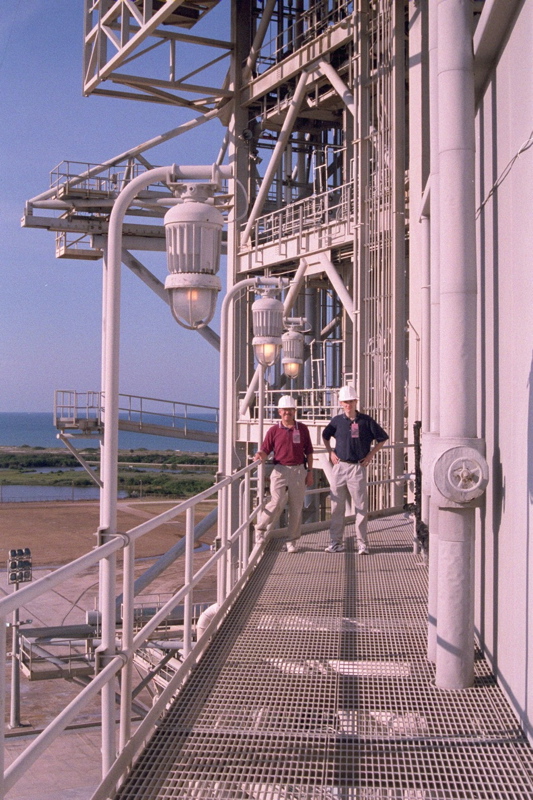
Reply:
x=461, y=474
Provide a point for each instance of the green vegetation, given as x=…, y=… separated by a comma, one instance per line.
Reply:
x=24, y=477
x=17, y=468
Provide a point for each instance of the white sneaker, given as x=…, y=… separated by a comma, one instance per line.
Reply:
x=363, y=550
x=290, y=547
x=336, y=547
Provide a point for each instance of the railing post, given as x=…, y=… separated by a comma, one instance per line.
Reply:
x=245, y=536
x=126, y=681
x=187, y=603
x=3, y=656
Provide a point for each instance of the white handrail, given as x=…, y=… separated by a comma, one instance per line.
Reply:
x=123, y=659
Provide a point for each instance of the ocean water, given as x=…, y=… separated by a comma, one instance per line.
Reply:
x=38, y=430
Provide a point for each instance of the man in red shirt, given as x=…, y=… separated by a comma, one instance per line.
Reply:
x=293, y=463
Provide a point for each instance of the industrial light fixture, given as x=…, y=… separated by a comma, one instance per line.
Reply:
x=193, y=229
x=293, y=346
x=293, y=352
x=267, y=319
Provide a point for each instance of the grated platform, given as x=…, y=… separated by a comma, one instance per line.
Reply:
x=317, y=687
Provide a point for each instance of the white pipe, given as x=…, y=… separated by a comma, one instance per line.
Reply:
x=294, y=287
x=432, y=424
x=126, y=675
x=226, y=421
x=224, y=314
x=111, y=347
x=205, y=618
x=425, y=292
x=187, y=603
x=288, y=123
x=112, y=338
x=458, y=302
x=3, y=658
x=338, y=84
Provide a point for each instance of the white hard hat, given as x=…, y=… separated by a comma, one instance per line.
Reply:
x=287, y=402
x=347, y=393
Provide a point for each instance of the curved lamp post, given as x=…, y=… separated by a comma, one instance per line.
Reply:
x=268, y=326
x=110, y=381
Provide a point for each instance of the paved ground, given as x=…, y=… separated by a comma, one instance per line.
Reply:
x=57, y=533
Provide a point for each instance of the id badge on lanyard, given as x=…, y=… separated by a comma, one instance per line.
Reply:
x=354, y=429
x=296, y=436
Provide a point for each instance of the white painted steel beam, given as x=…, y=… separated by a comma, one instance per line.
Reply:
x=258, y=40
x=283, y=138
x=338, y=284
x=338, y=84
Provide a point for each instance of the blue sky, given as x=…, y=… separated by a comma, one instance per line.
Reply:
x=50, y=312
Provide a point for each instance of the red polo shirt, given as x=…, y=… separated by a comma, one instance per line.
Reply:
x=287, y=451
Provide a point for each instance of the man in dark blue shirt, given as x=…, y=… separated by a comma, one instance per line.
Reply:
x=354, y=434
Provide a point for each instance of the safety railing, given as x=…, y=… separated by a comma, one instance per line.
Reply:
x=101, y=180
x=84, y=411
x=313, y=20
x=330, y=208
x=314, y=405
x=233, y=559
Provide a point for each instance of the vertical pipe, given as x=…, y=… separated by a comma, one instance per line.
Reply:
x=226, y=420
x=434, y=406
x=246, y=510
x=226, y=428
x=3, y=656
x=108, y=504
x=458, y=302
x=187, y=603
x=426, y=343
x=398, y=308
x=260, y=434
x=14, y=717
x=126, y=675
x=106, y=651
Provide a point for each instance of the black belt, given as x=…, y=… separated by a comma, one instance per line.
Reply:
x=344, y=461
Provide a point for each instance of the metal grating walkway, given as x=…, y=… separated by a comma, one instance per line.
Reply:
x=317, y=686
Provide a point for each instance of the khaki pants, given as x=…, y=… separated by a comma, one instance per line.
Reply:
x=286, y=483
x=348, y=481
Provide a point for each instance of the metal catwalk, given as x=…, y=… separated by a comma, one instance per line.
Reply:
x=317, y=686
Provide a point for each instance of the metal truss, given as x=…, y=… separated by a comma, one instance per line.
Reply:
x=148, y=32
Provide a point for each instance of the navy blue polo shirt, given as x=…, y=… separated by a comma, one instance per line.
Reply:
x=354, y=443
